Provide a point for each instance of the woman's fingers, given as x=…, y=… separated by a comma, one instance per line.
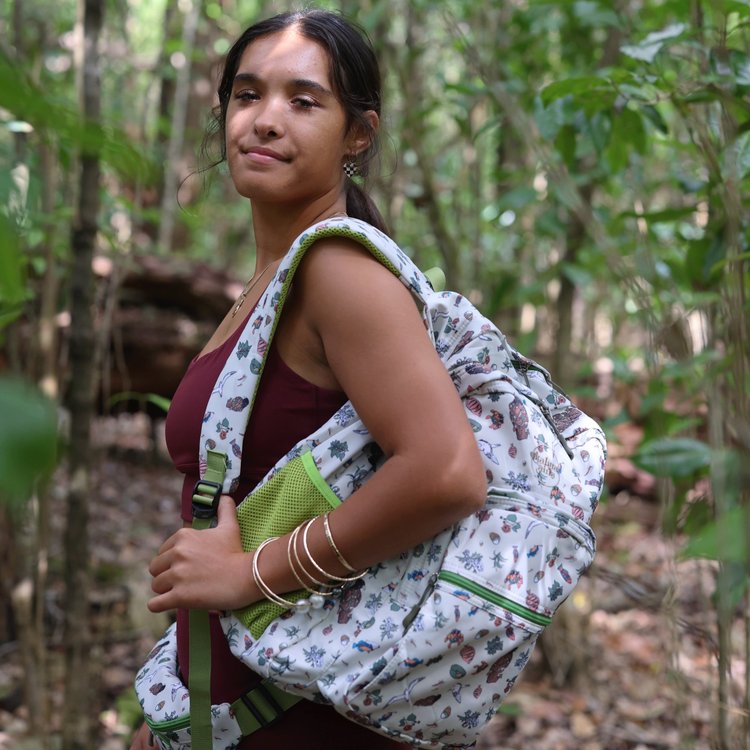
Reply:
x=203, y=569
x=142, y=739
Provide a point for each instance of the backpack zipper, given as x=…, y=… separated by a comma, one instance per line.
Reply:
x=171, y=725
x=523, y=366
x=494, y=598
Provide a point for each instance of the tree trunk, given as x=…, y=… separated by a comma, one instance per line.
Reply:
x=27, y=559
x=47, y=340
x=575, y=237
x=177, y=131
x=414, y=134
x=46, y=369
x=76, y=716
x=166, y=86
x=564, y=359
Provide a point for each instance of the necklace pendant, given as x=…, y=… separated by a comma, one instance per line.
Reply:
x=250, y=284
x=238, y=305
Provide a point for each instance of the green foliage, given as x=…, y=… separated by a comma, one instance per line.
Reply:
x=53, y=117
x=28, y=439
x=12, y=283
x=529, y=146
x=724, y=538
x=142, y=398
x=673, y=457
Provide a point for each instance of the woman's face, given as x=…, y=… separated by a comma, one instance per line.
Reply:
x=286, y=134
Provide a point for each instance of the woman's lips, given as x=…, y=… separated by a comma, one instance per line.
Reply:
x=264, y=155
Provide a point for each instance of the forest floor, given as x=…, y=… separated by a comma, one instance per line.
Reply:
x=628, y=664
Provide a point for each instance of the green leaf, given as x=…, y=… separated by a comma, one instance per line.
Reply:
x=703, y=260
x=145, y=398
x=580, y=277
x=28, y=437
x=510, y=709
x=565, y=143
x=742, y=154
x=516, y=199
x=701, y=95
x=627, y=131
x=594, y=14
x=723, y=539
x=699, y=515
x=599, y=128
x=667, y=215
x=654, y=115
x=673, y=457
x=649, y=48
x=12, y=282
x=549, y=119
x=732, y=65
x=573, y=86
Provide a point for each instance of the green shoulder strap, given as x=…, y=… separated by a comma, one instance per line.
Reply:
x=205, y=506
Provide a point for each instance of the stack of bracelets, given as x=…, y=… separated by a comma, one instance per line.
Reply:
x=316, y=600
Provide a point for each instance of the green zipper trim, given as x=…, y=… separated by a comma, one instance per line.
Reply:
x=495, y=598
x=308, y=463
x=171, y=725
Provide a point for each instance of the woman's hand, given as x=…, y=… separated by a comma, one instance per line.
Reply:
x=142, y=739
x=204, y=569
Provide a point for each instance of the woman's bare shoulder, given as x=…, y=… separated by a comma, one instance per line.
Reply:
x=339, y=272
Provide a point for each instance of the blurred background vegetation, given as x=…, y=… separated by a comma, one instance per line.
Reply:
x=580, y=169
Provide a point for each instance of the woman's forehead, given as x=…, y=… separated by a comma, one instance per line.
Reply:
x=289, y=54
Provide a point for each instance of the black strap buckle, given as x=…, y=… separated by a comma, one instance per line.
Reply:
x=271, y=702
x=206, y=497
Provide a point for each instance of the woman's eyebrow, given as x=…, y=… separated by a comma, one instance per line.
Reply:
x=306, y=83
x=302, y=83
x=245, y=78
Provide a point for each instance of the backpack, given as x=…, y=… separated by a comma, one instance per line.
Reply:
x=426, y=646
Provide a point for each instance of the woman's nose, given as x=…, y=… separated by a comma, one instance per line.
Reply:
x=268, y=120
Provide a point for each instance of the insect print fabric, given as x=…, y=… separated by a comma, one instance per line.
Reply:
x=427, y=645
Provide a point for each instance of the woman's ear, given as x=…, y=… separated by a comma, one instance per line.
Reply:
x=360, y=136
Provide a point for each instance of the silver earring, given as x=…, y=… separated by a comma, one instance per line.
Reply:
x=350, y=168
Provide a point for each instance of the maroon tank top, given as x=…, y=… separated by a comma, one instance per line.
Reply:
x=287, y=408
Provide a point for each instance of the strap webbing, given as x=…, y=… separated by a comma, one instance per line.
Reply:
x=199, y=682
x=261, y=707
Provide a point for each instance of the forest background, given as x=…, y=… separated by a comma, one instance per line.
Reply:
x=580, y=170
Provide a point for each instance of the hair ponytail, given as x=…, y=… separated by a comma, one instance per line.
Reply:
x=359, y=205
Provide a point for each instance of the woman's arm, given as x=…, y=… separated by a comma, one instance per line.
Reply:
x=371, y=341
x=376, y=346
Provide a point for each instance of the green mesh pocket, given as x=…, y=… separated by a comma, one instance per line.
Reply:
x=295, y=494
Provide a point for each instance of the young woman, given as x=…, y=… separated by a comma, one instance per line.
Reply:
x=299, y=103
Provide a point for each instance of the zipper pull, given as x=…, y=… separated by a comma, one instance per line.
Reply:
x=545, y=410
x=409, y=619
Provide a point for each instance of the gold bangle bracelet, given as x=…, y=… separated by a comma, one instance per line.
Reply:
x=317, y=567
x=315, y=601
x=297, y=558
x=332, y=544
x=292, y=545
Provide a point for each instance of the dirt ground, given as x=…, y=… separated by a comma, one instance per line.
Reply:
x=628, y=664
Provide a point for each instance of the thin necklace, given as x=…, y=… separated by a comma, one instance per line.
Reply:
x=248, y=287
x=250, y=284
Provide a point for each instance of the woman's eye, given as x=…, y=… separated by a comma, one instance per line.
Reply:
x=304, y=103
x=246, y=95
